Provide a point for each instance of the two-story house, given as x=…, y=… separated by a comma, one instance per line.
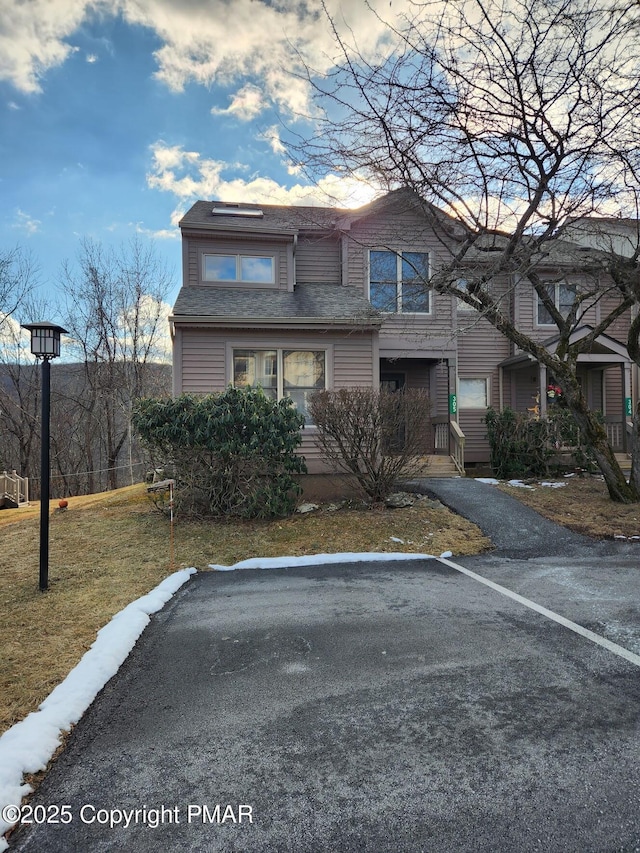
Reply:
x=295, y=299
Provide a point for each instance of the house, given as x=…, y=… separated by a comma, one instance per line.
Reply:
x=301, y=298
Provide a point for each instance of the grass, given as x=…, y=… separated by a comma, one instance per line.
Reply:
x=107, y=550
x=582, y=505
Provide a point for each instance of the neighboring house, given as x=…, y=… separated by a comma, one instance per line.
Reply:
x=300, y=298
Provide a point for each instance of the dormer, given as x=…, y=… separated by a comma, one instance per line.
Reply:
x=238, y=245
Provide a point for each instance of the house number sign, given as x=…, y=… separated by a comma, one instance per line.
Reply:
x=453, y=404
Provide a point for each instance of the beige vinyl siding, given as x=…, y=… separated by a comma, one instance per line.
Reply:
x=402, y=232
x=613, y=391
x=476, y=447
x=353, y=362
x=527, y=319
x=350, y=362
x=480, y=349
x=318, y=260
x=620, y=327
x=526, y=385
x=197, y=247
x=203, y=362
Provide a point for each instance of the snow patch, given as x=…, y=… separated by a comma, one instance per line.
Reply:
x=315, y=560
x=28, y=746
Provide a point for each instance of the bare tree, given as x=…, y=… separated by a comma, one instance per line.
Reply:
x=510, y=120
x=378, y=437
x=18, y=279
x=116, y=317
x=20, y=381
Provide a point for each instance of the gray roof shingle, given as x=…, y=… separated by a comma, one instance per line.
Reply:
x=316, y=302
x=275, y=218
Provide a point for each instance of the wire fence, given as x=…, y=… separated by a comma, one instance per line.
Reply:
x=71, y=474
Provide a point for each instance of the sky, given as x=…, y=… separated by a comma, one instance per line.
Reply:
x=116, y=116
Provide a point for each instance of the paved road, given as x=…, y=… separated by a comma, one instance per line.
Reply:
x=369, y=707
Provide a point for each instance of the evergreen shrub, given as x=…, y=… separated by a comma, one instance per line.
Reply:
x=231, y=454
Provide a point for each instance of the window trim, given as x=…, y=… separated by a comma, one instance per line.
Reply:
x=461, y=305
x=399, y=254
x=556, y=301
x=238, y=280
x=487, y=385
x=280, y=346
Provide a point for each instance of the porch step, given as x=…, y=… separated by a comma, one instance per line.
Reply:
x=624, y=461
x=441, y=466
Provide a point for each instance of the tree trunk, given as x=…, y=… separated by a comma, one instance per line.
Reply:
x=619, y=490
x=634, y=479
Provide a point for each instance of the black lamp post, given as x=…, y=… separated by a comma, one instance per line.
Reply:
x=45, y=344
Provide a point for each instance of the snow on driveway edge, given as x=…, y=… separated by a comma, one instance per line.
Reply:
x=28, y=746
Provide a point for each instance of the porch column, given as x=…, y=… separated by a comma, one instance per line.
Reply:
x=542, y=378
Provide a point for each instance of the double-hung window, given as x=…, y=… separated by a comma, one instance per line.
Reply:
x=282, y=373
x=562, y=295
x=249, y=269
x=398, y=282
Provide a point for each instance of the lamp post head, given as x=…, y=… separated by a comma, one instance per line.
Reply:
x=45, y=339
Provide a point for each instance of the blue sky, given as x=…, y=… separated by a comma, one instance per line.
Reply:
x=117, y=116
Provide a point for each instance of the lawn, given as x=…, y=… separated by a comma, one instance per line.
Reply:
x=107, y=550
x=583, y=505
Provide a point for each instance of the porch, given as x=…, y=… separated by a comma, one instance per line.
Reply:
x=605, y=377
x=14, y=490
x=445, y=448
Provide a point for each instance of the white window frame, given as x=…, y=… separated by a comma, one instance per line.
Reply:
x=556, y=301
x=487, y=385
x=239, y=257
x=463, y=284
x=280, y=349
x=399, y=282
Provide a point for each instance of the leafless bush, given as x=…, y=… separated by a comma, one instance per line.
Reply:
x=379, y=436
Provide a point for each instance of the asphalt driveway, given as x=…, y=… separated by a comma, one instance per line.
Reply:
x=362, y=707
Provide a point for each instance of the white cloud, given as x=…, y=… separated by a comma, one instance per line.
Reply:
x=91, y=58
x=202, y=43
x=158, y=234
x=26, y=223
x=189, y=176
x=247, y=103
x=32, y=38
x=272, y=137
x=15, y=342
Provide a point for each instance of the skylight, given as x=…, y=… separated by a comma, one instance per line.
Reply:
x=236, y=210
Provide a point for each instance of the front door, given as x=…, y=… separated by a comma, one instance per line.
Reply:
x=394, y=382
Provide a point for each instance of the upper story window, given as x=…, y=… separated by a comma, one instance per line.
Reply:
x=563, y=296
x=250, y=269
x=398, y=282
x=463, y=284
